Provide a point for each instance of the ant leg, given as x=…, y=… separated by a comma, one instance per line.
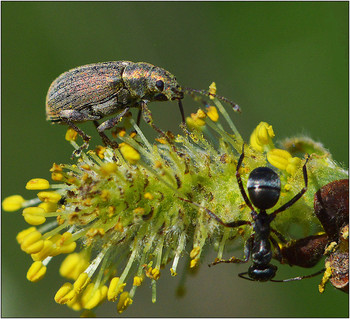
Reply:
x=279, y=236
x=296, y=197
x=233, y=224
x=239, y=181
x=234, y=260
x=245, y=273
x=300, y=277
x=278, y=250
x=106, y=141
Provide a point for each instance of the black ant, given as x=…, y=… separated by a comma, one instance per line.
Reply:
x=264, y=188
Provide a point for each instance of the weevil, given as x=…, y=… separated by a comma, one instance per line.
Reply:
x=94, y=91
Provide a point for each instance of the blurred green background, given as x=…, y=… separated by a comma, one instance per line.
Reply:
x=285, y=63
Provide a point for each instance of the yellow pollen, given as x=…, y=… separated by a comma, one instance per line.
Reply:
x=213, y=113
x=148, y=196
x=71, y=135
x=129, y=153
x=194, y=252
x=194, y=262
x=65, y=293
x=34, y=215
x=261, y=137
x=36, y=271
x=212, y=90
x=12, y=203
x=37, y=183
x=137, y=281
x=81, y=282
x=114, y=289
x=124, y=302
x=51, y=197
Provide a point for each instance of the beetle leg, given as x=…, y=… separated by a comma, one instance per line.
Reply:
x=147, y=116
x=86, y=138
x=112, y=122
x=105, y=139
x=138, y=118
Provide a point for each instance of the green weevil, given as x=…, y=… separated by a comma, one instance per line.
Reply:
x=94, y=91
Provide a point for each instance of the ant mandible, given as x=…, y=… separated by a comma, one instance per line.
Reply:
x=264, y=188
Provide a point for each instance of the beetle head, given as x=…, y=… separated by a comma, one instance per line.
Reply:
x=163, y=86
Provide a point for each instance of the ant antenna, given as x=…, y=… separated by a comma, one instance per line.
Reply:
x=235, y=106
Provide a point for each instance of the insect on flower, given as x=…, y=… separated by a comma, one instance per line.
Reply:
x=94, y=91
x=264, y=187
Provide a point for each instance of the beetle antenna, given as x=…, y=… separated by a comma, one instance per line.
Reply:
x=235, y=106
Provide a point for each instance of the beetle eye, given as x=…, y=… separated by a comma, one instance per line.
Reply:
x=160, y=85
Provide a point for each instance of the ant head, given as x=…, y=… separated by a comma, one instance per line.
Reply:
x=262, y=274
x=264, y=187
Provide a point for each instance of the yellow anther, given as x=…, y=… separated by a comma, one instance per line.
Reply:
x=287, y=187
x=86, y=167
x=12, y=203
x=213, y=113
x=48, y=207
x=124, y=302
x=75, y=304
x=95, y=232
x=105, y=195
x=173, y=272
x=51, y=197
x=283, y=160
x=71, y=135
x=57, y=177
x=63, y=244
x=32, y=243
x=327, y=274
x=81, y=282
x=279, y=158
x=73, y=265
x=261, y=137
x=148, y=196
x=137, y=281
x=65, y=293
x=129, y=153
x=36, y=271
x=108, y=168
x=330, y=248
x=44, y=252
x=212, y=90
x=37, y=183
x=22, y=234
x=293, y=165
x=122, y=133
x=200, y=114
x=194, y=252
x=114, y=289
x=119, y=227
x=100, y=151
x=194, y=262
x=34, y=215
x=133, y=134
x=91, y=296
x=155, y=273
x=161, y=140
x=56, y=168
x=139, y=211
x=195, y=124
